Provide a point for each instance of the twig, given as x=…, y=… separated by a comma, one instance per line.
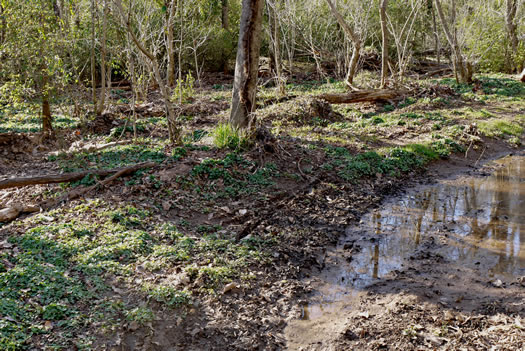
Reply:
x=480, y=156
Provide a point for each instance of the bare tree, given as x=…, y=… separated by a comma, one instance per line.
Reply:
x=247, y=64
x=512, y=29
x=173, y=129
x=384, y=51
x=275, y=37
x=103, y=53
x=463, y=68
x=351, y=35
x=170, y=15
x=403, y=35
x=93, y=67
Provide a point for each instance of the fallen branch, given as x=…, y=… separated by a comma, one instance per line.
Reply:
x=437, y=72
x=362, y=96
x=59, y=178
x=11, y=213
x=90, y=147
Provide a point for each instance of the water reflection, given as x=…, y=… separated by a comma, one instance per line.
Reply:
x=481, y=221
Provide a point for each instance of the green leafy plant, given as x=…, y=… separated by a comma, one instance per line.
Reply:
x=184, y=90
x=227, y=136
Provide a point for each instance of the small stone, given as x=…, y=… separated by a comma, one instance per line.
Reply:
x=497, y=283
x=233, y=287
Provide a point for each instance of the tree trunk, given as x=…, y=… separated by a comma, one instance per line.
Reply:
x=102, y=98
x=225, y=20
x=276, y=44
x=384, y=51
x=356, y=41
x=463, y=70
x=173, y=129
x=510, y=17
x=93, y=68
x=170, y=15
x=47, y=126
x=247, y=64
x=437, y=43
x=2, y=25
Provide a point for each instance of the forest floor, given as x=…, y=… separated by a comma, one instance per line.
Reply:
x=209, y=249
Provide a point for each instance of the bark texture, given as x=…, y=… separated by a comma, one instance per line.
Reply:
x=247, y=64
x=384, y=51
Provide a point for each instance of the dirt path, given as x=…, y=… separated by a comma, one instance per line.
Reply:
x=441, y=267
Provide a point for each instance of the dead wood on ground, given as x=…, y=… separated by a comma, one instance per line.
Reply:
x=11, y=213
x=363, y=96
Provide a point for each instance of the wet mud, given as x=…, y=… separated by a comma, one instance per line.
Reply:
x=457, y=246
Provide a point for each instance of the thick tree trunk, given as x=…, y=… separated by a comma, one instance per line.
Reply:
x=356, y=41
x=384, y=51
x=522, y=76
x=247, y=64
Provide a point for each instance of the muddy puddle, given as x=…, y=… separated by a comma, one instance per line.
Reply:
x=480, y=222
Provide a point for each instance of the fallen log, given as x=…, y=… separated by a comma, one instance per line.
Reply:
x=362, y=96
x=11, y=213
x=438, y=71
x=61, y=178
x=79, y=147
x=522, y=76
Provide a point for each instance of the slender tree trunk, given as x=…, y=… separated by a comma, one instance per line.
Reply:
x=2, y=25
x=170, y=15
x=384, y=52
x=102, y=98
x=247, y=64
x=173, y=129
x=181, y=44
x=93, y=68
x=225, y=20
x=356, y=41
x=276, y=36
x=437, y=43
x=463, y=70
x=47, y=119
x=510, y=17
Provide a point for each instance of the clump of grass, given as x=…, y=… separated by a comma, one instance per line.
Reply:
x=227, y=136
x=500, y=128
